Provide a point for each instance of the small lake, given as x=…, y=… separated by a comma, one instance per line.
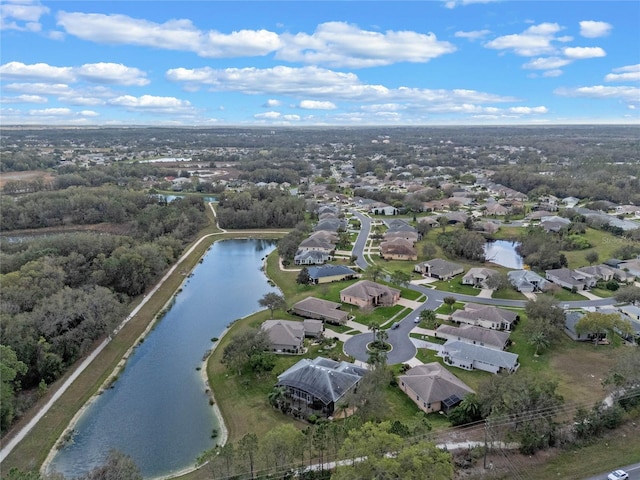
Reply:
x=503, y=252
x=158, y=411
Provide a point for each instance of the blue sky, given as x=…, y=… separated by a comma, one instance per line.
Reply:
x=307, y=63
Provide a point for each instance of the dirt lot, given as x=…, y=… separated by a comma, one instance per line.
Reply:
x=25, y=176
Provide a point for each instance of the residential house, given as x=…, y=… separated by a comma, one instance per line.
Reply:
x=367, y=293
x=313, y=328
x=380, y=208
x=317, y=386
x=495, y=209
x=606, y=273
x=433, y=388
x=286, y=336
x=570, y=279
x=571, y=318
x=527, y=281
x=330, y=273
x=398, y=249
x=439, y=268
x=474, y=357
x=554, y=223
x=486, y=316
x=570, y=202
x=478, y=277
x=631, y=266
x=629, y=313
x=311, y=257
x=317, y=308
x=484, y=337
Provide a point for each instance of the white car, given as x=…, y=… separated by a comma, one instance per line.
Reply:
x=618, y=475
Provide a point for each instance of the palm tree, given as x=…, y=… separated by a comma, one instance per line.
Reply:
x=428, y=316
x=374, y=327
x=540, y=341
x=277, y=396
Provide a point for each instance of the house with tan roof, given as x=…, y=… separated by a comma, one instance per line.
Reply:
x=319, y=309
x=433, y=388
x=486, y=316
x=286, y=336
x=367, y=293
x=398, y=249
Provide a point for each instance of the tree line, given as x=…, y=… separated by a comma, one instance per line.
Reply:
x=62, y=293
x=260, y=208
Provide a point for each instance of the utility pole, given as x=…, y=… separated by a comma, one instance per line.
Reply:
x=485, y=443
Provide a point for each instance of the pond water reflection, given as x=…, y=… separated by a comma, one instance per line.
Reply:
x=157, y=411
x=503, y=252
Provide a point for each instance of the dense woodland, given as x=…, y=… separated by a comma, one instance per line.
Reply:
x=62, y=292
x=260, y=208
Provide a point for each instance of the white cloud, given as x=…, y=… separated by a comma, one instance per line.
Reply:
x=629, y=73
x=317, y=105
x=535, y=40
x=472, y=35
x=24, y=99
x=457, y=3
x=89, y=113
x=629, y=94
x=38, y=88
x=340, y=44
x=271, y=103
x=21, y=15
x=583, y=52
x=528, y=110
x=385, y=107
x=268, y=115
x=244, y=43
x=319, y=83
x=37, y=71
x=112, y=73
x=152, y=103
x=291, y=118
x=592, y=29
x=171, y=35
x=552, y=73
x=546, y=63
x=58, y=112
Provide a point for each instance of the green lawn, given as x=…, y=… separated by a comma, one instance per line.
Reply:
x=454, y=286
x=508, y=294
x=380, y=315
x=446, y=310
x=564, y=295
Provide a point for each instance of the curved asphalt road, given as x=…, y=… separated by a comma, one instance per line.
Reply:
x=403, y=348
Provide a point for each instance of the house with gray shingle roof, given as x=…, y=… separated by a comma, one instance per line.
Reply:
x=286, y=336
x=319, y=309
x=439, y=268
x=311, y=257
x=433, y=388
x=317, y=386
x=331, y=273
x=486, y=316
x=570, y=279
x=367, y=293
x=478, y=277
x=526, y=281
x=474, y=357
x=484, y=337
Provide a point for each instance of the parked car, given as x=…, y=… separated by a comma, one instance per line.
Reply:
x=395, y=325
x=618, y=475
